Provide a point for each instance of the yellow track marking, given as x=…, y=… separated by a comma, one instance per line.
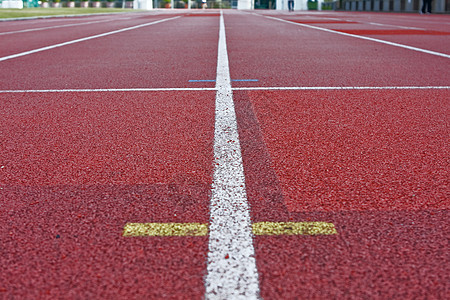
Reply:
x=293, y=228
x=165, y=229
x=198, y=229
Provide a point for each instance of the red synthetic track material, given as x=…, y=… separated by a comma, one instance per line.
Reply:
x=106, y=138
x=323, y=22
x=376, y=255
x=263, y=187
x=202, y=15
x=305, y=57
x=75, y=167
x=381, y=254
x=357, y=150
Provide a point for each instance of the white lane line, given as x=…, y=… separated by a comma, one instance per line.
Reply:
x=108, y=90
x=57, y=18
x=398, y=26
x=59, y=26
x=360, y=22
x=364, y=38
x=255, y=88
x=312, y=88
x=232, y=272
x=84, y=39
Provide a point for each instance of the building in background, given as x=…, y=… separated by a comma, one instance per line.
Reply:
x=438, y=6
x=298, y=5
x=246, y=4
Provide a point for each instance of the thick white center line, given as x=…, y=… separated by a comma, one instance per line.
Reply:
x=232, y=272
x=83, y=39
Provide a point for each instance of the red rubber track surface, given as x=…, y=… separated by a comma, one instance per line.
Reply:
x=421, y=26
x=36, y=39
x=107, y=138
x=374, y=163
x=298, y=56
x=75, y=167
x=390, y=207
x=66, y=242
x=33, y=24
x=357, y=150
x=394, y=255
x=160, y=55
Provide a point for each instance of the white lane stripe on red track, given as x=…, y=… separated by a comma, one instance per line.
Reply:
x=255, y=88
x=364, y=38
x=232, y=272
x=108, y=90
x=84, y=39
x=312, y=88
x=59, y=26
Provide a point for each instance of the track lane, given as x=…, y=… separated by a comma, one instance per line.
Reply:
x=66, y=242
x=18, y=27
x=357, y=150
x=429, y=22
x=142, y=61
x=421, y=35
x=21, y=42
x=77, y=166
x=372, y=162
x=298, y=56
x=395, y=255
x=390, y=244
x=93, y=138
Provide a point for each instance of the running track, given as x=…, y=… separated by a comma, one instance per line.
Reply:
x=339, y=118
